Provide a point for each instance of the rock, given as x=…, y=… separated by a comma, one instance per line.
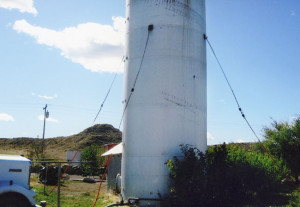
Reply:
x=89, y=180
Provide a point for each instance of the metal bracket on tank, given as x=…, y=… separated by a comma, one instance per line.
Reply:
x=150, y=27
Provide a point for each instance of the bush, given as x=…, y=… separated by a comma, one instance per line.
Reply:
x=283, y=141
x=257, y=159
x=188, y=178
x=223, y=176
x=92, y=156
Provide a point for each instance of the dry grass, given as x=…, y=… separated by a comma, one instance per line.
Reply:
x=57, y=147
x=13, y=151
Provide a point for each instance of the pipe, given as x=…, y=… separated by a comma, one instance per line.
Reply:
x=116, y=204
x=144, y=199
x=119, y=204
x=133, y=201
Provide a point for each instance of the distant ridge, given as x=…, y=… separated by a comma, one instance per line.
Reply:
x=99, y=134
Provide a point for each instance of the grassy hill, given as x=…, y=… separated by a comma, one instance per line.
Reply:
x=99, y=134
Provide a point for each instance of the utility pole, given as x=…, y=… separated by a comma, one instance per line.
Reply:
x=46, y=115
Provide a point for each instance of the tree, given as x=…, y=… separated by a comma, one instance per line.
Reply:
x=36, y=149
x=92, y=156
x=283, y=141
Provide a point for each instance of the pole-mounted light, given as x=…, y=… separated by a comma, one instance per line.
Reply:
x=46, y=115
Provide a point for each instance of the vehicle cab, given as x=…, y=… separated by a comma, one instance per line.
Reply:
x=15, y=190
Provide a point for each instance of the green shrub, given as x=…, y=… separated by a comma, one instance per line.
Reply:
x=283, y=141
x=258, y=160
x=92, y=156
x=223, y=176
x=188, y=177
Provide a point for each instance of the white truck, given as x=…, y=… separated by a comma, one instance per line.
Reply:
x=15, y=190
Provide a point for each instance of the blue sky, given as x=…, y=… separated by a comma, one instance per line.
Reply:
x=65, y=54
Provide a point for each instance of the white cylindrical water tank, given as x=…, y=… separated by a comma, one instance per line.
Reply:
x=165, y=73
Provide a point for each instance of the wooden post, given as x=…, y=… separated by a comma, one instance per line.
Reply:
x=58, y=187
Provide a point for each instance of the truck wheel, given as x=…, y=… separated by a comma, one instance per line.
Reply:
x=13, y=200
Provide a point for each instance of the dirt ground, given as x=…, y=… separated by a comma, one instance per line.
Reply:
x=79, y=187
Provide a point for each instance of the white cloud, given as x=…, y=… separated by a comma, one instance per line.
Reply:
x=48, y=97
x=21, y=5
x=240, y=141
x=210, y=136
x=41, y=117
x=95, y=46
x=52, y=120
x=6, y=117
x=44, y=96
x=294, y=118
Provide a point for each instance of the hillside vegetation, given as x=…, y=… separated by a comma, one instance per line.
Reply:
x=99, y=134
